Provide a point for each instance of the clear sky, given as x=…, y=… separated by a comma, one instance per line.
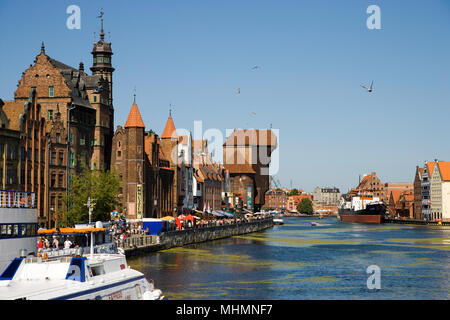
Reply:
x=313, y=57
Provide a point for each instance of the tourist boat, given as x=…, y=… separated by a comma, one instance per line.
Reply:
x=363, y=209
x=278, y=221
x=18, y=224
x=77, y=277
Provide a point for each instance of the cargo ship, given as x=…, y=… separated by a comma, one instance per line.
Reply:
x=363, y=209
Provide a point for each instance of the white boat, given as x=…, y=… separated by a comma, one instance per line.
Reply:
x=18, y=225
x=314, y=224
x=93, y=276
x=278, y=221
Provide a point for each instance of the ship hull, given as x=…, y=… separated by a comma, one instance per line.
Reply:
x=353, y=218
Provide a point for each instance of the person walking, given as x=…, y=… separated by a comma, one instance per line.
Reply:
x=40, y=245
x=55, y=242
x=67, y=243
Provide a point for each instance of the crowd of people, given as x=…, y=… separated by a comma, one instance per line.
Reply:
x=52, y=243
x=121, y=230
x=184, y=222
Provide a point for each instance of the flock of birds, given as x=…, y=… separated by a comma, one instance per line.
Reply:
x=368, y=89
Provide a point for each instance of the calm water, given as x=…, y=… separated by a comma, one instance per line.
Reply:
x=298, y=261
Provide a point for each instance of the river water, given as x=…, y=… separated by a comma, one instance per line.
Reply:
x=299, y=261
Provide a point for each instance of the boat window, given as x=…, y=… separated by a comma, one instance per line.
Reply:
x=15, y=230
x=98, y=270
x=3, y=230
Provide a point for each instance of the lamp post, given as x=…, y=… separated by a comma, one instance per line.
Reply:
x=90, y=204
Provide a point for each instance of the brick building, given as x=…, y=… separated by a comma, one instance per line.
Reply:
x=247, y=156
x=293, y=201
x=276, y=199
x=63, y=118
x=148, y=188
x=417, y=207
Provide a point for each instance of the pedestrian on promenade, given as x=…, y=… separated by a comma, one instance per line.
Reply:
x=46, y=243
x=67, y=243
x=40, y=245
x=55, y=242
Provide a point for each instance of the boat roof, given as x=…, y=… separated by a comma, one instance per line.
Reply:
x=69, y=231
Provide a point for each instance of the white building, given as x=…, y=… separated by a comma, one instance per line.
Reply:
x=185, y=152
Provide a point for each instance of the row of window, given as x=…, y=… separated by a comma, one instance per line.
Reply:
x=12, y=230
x=101, y=60
x=51, y=91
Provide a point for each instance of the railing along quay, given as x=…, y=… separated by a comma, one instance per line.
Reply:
x=416, y=222
x=136, y=241
x=137, y=244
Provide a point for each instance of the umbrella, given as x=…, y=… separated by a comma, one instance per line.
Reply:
x=189, y=217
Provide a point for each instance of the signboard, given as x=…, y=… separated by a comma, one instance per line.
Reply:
x=139, y=204
x=249, y=198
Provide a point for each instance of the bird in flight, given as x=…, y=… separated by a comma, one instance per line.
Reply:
x=254, y=113
x=238, y=90
x=368, y=89
x=255, y=67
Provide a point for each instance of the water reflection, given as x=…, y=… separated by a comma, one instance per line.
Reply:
x=298, y=261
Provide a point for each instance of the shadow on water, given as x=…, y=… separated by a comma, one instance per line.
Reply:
x=299, y=261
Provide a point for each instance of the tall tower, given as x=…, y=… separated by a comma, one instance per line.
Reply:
x=102, y=59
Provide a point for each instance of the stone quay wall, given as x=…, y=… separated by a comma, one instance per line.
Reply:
x=180, y=238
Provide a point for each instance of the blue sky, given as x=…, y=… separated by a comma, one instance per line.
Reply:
x=314, y=55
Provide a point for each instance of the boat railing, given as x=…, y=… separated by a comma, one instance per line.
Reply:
x=17, y=199
x=101, y=248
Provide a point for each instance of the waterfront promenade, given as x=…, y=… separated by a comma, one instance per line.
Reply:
x=138, y=244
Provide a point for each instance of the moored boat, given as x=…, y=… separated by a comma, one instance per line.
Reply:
x=373, y=213
x=18, y=224
x=278, y=221
x=78, y=277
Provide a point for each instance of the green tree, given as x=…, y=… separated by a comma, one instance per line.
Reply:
x=293, y=192
x=305, y=206
x=103, y=186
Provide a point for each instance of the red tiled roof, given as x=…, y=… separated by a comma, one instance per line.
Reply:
x=134, y=118
x=169, y=130
x=430, y=165
x=444, y=169
x=239, y=168
x=251, y=137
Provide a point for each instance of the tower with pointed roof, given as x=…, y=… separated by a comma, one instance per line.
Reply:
x=129, y=158
x=102, y=64
x=169, y=146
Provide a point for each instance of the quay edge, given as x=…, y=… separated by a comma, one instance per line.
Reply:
x=181, y=238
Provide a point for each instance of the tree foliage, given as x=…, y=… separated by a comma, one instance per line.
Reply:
x=293, y=192
x=103, y=186
x=305, y=206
